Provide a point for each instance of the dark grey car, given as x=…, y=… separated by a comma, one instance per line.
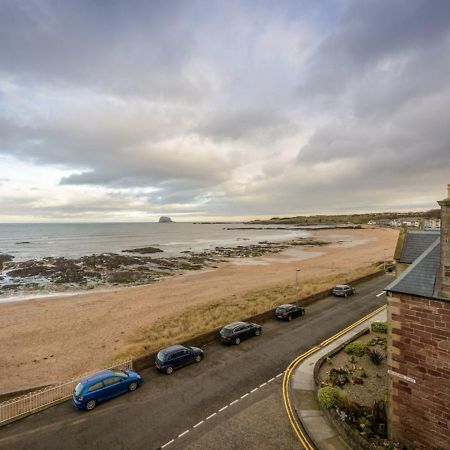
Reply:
x=236, y=332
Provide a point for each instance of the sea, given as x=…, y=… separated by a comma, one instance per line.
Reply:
x=35, y=241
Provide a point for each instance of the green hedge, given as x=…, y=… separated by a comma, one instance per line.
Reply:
x=356, y=348
x=328, y=396
x=379, y=327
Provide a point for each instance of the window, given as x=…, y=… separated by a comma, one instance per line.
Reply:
x=112, y=380
x=95, y=387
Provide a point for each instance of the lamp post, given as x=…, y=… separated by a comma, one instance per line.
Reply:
x=384, y=263
x=297, y=270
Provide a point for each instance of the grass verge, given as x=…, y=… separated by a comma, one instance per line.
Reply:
x=197, y=319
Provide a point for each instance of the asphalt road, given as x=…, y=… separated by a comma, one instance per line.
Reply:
x=166, y=407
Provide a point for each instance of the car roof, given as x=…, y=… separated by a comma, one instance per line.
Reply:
x=173, y=348
x=97, y=377
x=342, y=285
x=235, y=324
x=287, y=305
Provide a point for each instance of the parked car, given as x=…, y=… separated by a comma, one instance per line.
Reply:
x=343, y=290
x=171, y=358
x=104, y=386
x=289, y=312
x=236, y=332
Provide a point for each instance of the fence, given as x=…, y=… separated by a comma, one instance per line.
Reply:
x=38, y=400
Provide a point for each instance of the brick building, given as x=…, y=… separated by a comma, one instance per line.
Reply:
x=419, y=344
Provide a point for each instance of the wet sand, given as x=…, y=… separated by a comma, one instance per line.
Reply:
x=51, y=339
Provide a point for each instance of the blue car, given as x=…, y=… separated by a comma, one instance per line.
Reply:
x=171, y=358
x=103, y=386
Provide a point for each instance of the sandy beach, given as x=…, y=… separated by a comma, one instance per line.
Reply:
x=51, y=339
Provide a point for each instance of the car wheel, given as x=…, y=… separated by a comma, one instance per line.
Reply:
x=237, y=341
x=289, y=318
x=132, y=386
x=90, y=405
x=258, y=331
x=169, y=370
x=198, y=358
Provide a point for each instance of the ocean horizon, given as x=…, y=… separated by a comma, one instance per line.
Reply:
x=25, y=241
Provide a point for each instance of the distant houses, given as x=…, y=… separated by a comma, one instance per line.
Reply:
x=423, y=224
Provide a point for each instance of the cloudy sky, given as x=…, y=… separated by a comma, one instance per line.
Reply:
x=128, y=110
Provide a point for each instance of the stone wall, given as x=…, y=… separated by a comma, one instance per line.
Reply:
x=419, y=360
x=443, y=277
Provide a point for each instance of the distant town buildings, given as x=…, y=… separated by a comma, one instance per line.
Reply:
x=424, y=224
x=419, y=338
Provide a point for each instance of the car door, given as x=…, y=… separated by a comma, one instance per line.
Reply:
x=239, y=332
x=179, y=358
x=97, y=391
x=249, y=330
x=114, y=386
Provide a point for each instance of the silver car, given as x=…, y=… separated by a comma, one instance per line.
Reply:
x=343, y=290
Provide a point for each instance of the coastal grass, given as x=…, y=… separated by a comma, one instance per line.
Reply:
x=197, y=319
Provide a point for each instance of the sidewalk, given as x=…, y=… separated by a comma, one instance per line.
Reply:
x=303, y=389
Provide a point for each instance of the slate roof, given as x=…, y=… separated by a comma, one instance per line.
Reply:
x=416, y=242
x=420, y=277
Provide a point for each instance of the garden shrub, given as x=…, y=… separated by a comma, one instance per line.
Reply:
x=356, y=348
x=328, y=397
x=379, y=327
x=375, y=356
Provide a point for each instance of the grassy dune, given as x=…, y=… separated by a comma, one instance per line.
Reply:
x=197, y=319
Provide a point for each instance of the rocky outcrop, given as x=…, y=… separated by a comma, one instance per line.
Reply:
x=165, y=219
x=143, y=250
x=4, y=258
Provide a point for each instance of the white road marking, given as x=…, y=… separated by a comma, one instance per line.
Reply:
x=271, y=380
x=198, y=424
x=211, y=416
x=380, y=294
x=262, y=385
x=223, y=409
x=253, y=390
x=245, y=395
x=183, y=433
x=232, y=403
x=168, y=443
x=279, y=375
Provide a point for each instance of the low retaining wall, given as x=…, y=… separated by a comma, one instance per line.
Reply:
x=148, y=360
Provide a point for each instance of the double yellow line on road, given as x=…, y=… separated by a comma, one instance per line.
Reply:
x=302, y=436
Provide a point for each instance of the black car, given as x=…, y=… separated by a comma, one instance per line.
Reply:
x=343, y=290
x=177, y=356
x=289, y=312
x=236, y=332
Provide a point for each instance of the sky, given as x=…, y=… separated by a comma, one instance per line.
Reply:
x=211, y=110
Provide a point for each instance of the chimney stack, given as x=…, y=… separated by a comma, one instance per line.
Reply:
x=443, y=276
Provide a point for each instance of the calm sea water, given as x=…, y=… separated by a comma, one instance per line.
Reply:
x=32, y=241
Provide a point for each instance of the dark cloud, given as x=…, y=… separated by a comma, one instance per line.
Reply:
x=235, y=109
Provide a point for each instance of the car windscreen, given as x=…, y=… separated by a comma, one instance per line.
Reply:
x=162, y=356
x=227, y=331
x=281, y=310
x=338, y=288
x=79, y=389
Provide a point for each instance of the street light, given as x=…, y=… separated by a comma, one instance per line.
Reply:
x=297, y=270
x=384, y=263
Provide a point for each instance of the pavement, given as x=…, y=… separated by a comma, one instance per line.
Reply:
x=230, y=387
x=304, y=391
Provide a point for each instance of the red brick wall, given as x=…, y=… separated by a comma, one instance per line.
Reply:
x=419, y=347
